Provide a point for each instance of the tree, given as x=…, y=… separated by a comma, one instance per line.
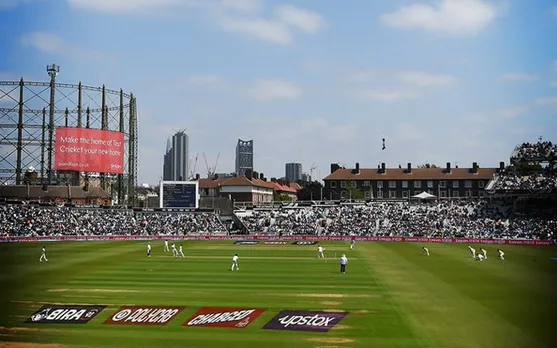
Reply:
x=311, y=191
x=282, y=198
x=428, y=165
x=353, y=192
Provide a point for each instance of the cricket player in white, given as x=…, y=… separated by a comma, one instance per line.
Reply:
x=235, y=263
x=343, y=263
x=472, y=251
x=426, y=251
x=479, y=257
x=181, y=252
x=148, y=249
x=43, y=255
x=484, y=252
x=174, y=251
x=320, y=250
x=352, y=244
x=166, y=245
x=501, y=254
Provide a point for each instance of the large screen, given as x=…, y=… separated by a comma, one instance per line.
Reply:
x=179, y=194
x=89, y=150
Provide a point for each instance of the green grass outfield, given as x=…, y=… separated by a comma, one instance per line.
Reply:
x=395, y=296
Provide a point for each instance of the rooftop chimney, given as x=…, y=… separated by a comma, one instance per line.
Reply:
x=261, y=177
x=383, y=170
x=502, y=165
x=249, y=174
x=197, y=176
x=357, y=169
x=255, y=175
x=273, y=179
x=409, y=168
x=475, y=167
x=334, y=167
x=448, y=168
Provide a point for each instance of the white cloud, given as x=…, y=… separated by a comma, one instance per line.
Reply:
x=205, y=80
x=424, y=79
x=271, y=31
x=543, y=101
x=275, y=89
x=307, y=21
x=242, y=5
x=451, y=17
x=128, y=6
x=517, y=77
x=513, y=111
x=388, y=96
x=409, y=131
x=49, y=43
x=363, y=76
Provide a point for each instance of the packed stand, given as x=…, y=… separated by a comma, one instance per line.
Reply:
x=29, y=220
x=534, y=182
x=533, y=152
x=465, y=219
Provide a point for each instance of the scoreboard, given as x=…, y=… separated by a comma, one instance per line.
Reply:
x=179, y=194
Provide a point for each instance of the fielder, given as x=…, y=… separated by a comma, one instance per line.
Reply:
x=425, y=251
x=320, y=250
x=43, y=255
x=180, y=251
x=472, y=251
x=501, y=254
x=166, y=245
x=343, y=263
x=235, y=263
x=174, y=251
x=480, y=257
x=352, y=244
x=484, y=252
x=148, y=249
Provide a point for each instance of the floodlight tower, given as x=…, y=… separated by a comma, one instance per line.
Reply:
x=52, y=71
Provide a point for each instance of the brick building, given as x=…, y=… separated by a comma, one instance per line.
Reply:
x=77, y=195
x=403, y=183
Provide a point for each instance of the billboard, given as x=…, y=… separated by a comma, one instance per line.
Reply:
x=179, y=194
x=89, y=150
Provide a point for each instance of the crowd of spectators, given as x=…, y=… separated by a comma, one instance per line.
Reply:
x=534, y=182
x=30, y=220
x=466, y=219
x=533, y=152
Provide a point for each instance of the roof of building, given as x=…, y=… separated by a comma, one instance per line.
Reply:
x=65, y=192
x=416, y=174
x=207, y=183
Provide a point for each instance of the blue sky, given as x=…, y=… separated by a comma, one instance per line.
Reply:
x=314, y=81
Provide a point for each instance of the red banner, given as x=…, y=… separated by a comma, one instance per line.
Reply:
x=273, y=238
x=89, y=150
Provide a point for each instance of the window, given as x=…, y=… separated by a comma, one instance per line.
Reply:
x=367, y=194
x=343, y=195
x=482, y=193
x=442, y=184
x=343, y=184
x=456, y=194
x=481, y=184
x=380, y=184
x=468, y=184
x=392, y=194
x=354, y=184
x=417, y=184
x=443, y=194
x=366, y=184
x=430, y=184
x=405, y=184
x=392, y=184
x=379, y=194
x=468, y=193
x=455, y=183
x=404, y=194
x=430, y=192
x=333, y=184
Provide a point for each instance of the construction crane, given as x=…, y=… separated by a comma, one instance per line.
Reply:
x=311, y=169
x=211, y=170
x=192, y=172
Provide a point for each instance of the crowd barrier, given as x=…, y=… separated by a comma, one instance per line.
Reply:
x=274, y=238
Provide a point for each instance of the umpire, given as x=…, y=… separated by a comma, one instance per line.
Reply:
x=343, y=263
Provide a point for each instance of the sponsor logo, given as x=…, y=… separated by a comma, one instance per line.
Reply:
x=304, y=242
x=64, y=314
x=144, y=315
x=224, y=317
x=246, y=242
x=271, y=242
x=305, y=321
